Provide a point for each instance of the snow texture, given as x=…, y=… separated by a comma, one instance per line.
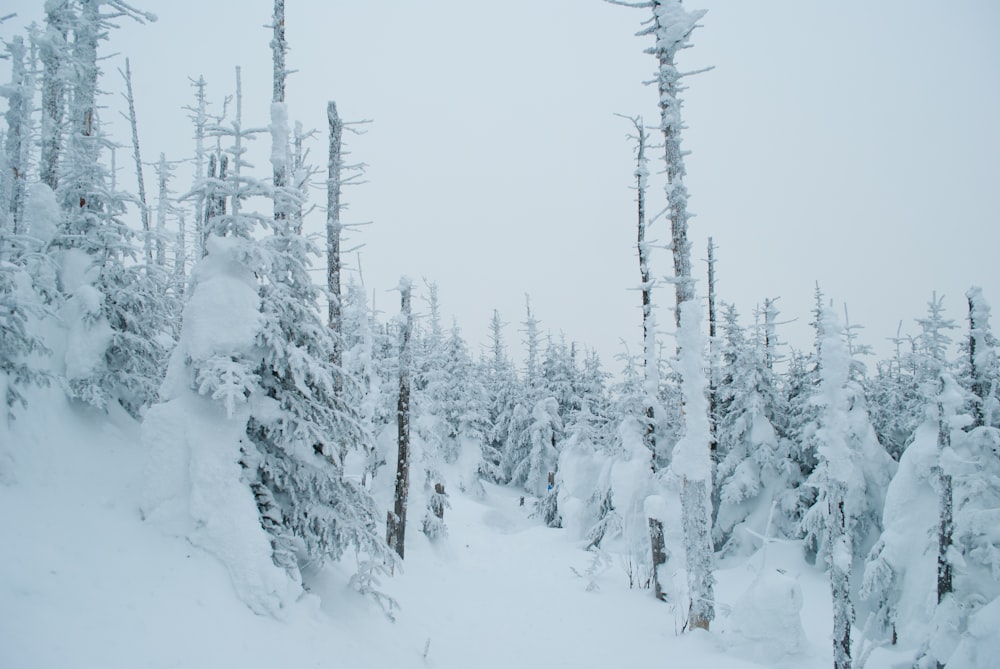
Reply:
x=279, y=136
x=692, y=459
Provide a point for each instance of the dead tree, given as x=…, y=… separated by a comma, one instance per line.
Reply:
x=335, y=168
x=144, y=214
x=279, y=117
x=671, y=26
x=396, y=523
x=650, y=367
x=200, y=118
x=713, y=380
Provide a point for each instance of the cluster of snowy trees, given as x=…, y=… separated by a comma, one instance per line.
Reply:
x=270, y=427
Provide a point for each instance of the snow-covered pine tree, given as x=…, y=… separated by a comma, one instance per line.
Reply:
x=850, y=478
x=893, y=394
x=362, y=362
x=117, y=314
x=754, y=468
x=502, y=391
x=517, y=445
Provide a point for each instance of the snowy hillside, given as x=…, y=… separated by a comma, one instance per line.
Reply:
x=87, y=583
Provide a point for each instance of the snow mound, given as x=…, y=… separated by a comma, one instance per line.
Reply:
x=194, y=488
x=765, y=623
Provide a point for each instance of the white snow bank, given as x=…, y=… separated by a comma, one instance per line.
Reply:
x=194, y=488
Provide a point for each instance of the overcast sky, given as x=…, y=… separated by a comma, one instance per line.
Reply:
x=853, y=143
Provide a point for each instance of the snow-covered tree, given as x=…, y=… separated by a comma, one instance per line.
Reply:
x=850, y=478
x=754, y=468
x=502, y=391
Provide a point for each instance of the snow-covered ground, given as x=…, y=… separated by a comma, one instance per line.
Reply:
x=86, y=583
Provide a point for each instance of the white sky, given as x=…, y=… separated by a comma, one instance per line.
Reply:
x=853, y=143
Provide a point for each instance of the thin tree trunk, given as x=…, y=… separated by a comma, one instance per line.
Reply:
x=713, y=380
x=945, y=514
x=200, y=120
x=978, y=386
x=143, y=204
x=649, y=363
x=279, y=120
x=163, y=206
x=18, y=123
x=840, y=578
x=659, y=556
x=334, y=228
x=396, y=524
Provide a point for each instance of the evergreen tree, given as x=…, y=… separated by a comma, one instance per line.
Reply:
x=502, y=391
x=755, y=468
x=849, y=479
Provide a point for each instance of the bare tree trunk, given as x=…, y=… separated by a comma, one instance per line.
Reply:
x=977, y=382
x=279, y=120
x=163, y=207
x=840, y=579
x=143, y=204
x=945, y=514
x=659, y=550
x=200, y=119
x=334, y=229
x=713, y=378
x=396, y=524
x=649, y=364
x=180, y=258
x=694, y=493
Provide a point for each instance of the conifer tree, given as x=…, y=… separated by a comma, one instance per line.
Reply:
x=851, y=475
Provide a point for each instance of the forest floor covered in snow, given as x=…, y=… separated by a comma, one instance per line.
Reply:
x=86, y=583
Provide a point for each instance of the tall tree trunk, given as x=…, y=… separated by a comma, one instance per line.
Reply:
x=672, y=27
x=18, y=125
x=200, y=118
x=840, y=579
x=396, y=525
x=162, y=208
x=53, y=53
x=141, y=182
x=649, y=364
x=334, y=229
x=945, y=512
x=279, y=115
x=713, y=377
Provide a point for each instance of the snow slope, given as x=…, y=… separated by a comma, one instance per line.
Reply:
x=86, y=583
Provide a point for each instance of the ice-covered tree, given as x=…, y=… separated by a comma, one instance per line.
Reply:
x=754, y=467
x=117, y=314
x=850, y=478
x=54, y=48
x=502, y=392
